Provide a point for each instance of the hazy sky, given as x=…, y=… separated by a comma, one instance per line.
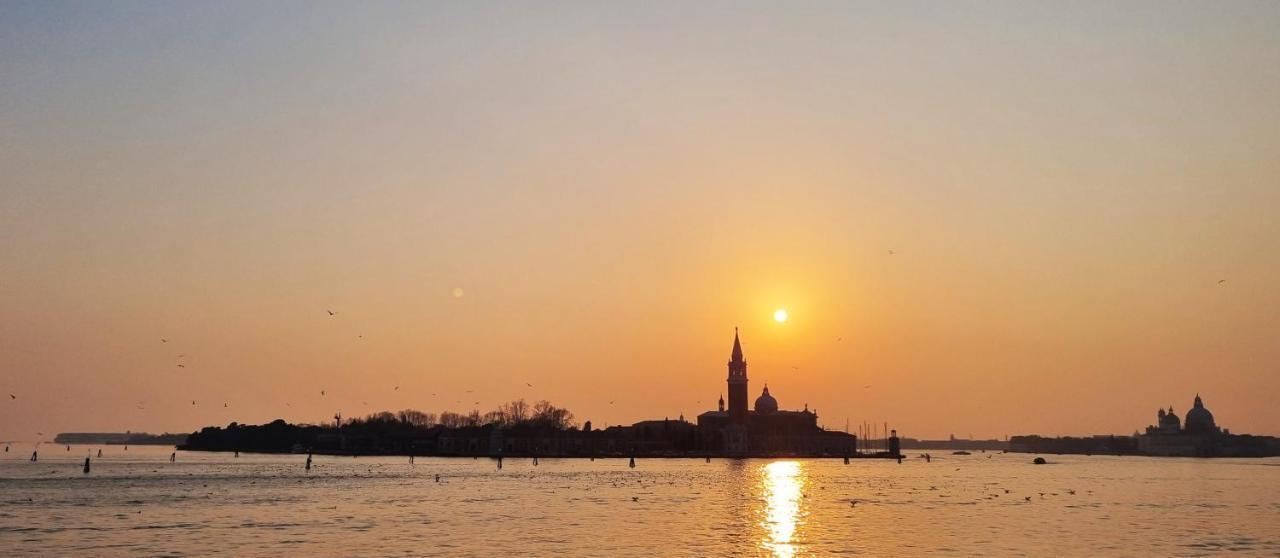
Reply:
x=615, y=186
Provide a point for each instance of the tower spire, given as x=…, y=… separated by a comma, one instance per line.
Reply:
x=737, y=383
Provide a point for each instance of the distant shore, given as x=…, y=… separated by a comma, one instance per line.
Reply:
x=526, y=455
x=120, y=438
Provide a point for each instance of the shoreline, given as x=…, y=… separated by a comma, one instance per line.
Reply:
x=525, y=455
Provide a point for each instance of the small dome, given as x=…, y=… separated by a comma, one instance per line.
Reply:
x=766, y=403
x=1199, y=419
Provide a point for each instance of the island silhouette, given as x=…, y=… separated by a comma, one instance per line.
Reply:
x=518, y=428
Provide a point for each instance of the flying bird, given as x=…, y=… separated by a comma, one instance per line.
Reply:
x=224, y=405
x=163, y=340
x=12, y=396
x=331, y=312
x=528, y=384
x=1221, y=281
x=193, y=401
x=182, y=366
x=891, y=252
x=321, y=392
x=397, y=388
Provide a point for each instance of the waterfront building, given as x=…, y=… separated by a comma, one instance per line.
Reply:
x=1196, y=435
x=1199, y=436
x=765, y=429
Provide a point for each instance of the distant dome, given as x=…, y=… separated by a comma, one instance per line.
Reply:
x=766, y=403
x=1169, y=421
x=1199, y=419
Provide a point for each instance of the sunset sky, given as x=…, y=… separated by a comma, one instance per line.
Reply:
x=611, y=188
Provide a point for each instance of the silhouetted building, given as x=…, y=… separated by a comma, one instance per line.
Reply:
x=1085, y=445
x=731, y=430
x=1199, y=436
x=765, y=429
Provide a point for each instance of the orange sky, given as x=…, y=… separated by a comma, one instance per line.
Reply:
x=615, y=188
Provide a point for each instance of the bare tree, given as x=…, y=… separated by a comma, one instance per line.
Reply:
x=450, y=419
x=515, y=412
x=494, y=417
x=416, y=418
x=548, y=415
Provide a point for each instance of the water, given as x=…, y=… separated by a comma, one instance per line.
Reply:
x=136, y=503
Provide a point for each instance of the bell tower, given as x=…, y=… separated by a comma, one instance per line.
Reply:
x=737, y=383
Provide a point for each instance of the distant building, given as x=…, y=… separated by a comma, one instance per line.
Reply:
x=765, y=430
x=732, y=430
x=1196, y=437
x=954, y=443
x=1199, y=436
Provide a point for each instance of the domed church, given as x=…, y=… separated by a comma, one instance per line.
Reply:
x=1167, y=423
x=1199, y=419
x=1196, y=435
x=766, y=403
x=764, y=429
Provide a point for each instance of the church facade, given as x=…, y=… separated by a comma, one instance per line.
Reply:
x=1199, y=436
x=764, y=429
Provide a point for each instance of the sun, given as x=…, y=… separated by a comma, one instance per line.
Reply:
x=780, y=315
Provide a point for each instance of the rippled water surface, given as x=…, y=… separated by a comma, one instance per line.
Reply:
x=137, y=503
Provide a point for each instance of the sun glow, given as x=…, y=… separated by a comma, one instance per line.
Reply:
x=780, y=315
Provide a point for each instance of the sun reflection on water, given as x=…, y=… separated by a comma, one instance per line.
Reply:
x=783, y=482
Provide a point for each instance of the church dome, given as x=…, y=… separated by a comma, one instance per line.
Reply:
x=1169, y=421
x=766, y=403
x=1199, y=419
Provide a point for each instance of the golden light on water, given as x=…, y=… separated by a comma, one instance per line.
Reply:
x=783, y=482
